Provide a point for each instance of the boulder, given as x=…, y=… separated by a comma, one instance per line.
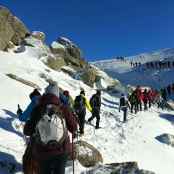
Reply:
x=57, y=48
x=72, y=49
x=119, y=168
x=55, y=62
x=89, y=76
x=39, y=35
x=11, y=28
x=87, y=154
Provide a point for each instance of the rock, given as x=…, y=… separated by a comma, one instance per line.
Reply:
x=119, y=168
x=167, y=139
x=10, y=45
x=87, y=154
x=145, y=172
x=72, y=49
x=89, y=76
x=11, y=28
x=55, y=62
x=57, y=48
x=39, y=35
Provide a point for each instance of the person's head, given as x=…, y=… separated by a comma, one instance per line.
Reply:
x=34, y=93
x=66, y=93
x=122, y=95
x=52, y=88
x=82, y=92
x=98, y=92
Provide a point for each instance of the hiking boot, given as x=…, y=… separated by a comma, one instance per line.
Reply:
x=97, y=127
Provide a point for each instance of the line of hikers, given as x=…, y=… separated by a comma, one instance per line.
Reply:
x=48, y=119
x=139, y=98
x=154, y=65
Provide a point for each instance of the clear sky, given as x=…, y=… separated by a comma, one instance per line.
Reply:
x=101, y=28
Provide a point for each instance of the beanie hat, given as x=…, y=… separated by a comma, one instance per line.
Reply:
x=52, y=88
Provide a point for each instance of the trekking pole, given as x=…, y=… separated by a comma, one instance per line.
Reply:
x=73, y=151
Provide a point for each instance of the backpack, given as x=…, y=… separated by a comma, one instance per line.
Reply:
x=92, y=101
x=79, y=103
x=122, y=101
x=51, y=128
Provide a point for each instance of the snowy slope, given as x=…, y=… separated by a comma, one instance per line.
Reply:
x=126, y=74
x=118, y=142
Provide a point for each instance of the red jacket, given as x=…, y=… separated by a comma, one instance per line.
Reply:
x=41, y=152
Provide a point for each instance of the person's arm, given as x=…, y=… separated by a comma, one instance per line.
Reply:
x=30, y=125
x=71, y=121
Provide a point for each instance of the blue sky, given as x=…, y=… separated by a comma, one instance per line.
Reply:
x=101, y=28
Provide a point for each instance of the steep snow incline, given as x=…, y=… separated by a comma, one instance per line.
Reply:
x=118, y=142
x=126, y=74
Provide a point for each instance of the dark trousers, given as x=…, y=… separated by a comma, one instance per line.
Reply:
x=95, y=114
x=81, y=116
x=124, y=114
x=55, y=165
x=133, y=107
x=145, y=105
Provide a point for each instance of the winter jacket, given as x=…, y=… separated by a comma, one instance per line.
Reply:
x=67, y=101
x=27, y=113
x=95, y=101
x=42, y=152
x=124, y=103
x=86, y=104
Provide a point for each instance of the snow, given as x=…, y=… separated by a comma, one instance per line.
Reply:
x=57, y=45
x=117, y=141
x=126, y=74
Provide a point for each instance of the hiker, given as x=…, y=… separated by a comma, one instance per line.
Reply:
x=169, y=90
x=133, y=102
x=145, y=98
x=123, y=105
x=163, y=94
x=80, y=105
x=34, y=97
x=95, y=103
x=48, y=130
x=66, y=100
x=139, y=97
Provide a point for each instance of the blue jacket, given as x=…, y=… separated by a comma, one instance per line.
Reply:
x=27, y=113
x=64, y=99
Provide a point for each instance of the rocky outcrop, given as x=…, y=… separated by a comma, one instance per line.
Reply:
x=119, y=168
x=26, y=82
x=72, y=49
x=11, y=29
x=68, y=51
x=87, y=154
x=39, y=35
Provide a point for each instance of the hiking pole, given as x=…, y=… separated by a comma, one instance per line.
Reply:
x=73, y=151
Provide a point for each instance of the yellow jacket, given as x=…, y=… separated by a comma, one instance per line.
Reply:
x=87, y=104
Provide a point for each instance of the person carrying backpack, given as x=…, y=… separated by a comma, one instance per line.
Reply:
x=48, y=130
x=25, y=115
x=95, y=103
x=80, y=105
x=123, y=105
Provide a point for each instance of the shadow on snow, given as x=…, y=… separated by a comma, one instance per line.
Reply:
x=6, y=123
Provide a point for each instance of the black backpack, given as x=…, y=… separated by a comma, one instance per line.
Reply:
x=79, y=103
x=122, y=101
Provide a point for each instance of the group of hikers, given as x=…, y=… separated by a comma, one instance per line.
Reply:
x=47, y=120
x=154, y=65
x=142, y=99
x=51, y=115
